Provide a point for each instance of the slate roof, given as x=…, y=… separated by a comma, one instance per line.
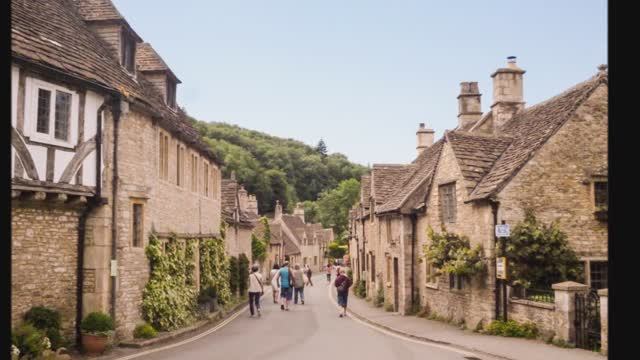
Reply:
x=229, y=190
x=385, y=179
x=530, y=129
x=476, y=153
x=147, y=59
x=290, y=248
x=420, y=176
x=365, y=190
x=92, y=10
x=52, y=34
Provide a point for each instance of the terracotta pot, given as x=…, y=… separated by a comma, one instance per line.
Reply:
x=94, y=344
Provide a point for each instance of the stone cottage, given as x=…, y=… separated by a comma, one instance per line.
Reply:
x=550, y=157
x=101, y=158
x=240, y=212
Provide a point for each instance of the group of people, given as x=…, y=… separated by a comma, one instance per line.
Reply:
x=287, y=284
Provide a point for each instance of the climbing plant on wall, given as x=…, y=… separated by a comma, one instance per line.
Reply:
x=452, y=253
x=243, y=274
x=258, y=249
x=214, y=268
x=169, y=298
x=233, y=275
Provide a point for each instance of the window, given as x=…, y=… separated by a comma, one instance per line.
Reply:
x=205, y=180
x=315, y=260
x=448, y=203
x=388, y=269
x=171, y=93
x=598, y=270
x=373, y=267
x=137, y=228
x=44, y=106
x=163, y=163
x=180, y=165
x=430, y=273
x=52, y=113
x=601, y=194
x=456, y=282
x=63, y=112
x=128, y=52
x=194, y=173
x=388, y=225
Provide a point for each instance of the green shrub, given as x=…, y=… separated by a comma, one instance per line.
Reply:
x=378, y=301
x=350, y=274
x=512, y=328
x=48, y=321
x=97, y=323
x=389, y=307
x=29, y=340
x=233, y=275
x=360, y=290
x=144, y=331
x=243, y=274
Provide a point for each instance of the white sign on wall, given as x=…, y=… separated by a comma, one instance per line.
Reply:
x=503, y=230
x=501, y=268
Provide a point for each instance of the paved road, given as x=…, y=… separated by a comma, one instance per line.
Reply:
x=309, y=332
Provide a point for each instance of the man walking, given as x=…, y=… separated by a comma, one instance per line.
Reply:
x=343, y=283
x=328, y=269
x=298, y=279
x=285, y=283
x=307, y=273
x=255, y=289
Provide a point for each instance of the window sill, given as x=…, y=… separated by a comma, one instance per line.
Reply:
x=44, y=140
x=432, y=286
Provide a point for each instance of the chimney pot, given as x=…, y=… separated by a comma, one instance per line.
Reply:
x=425, y=138
x=469, y=107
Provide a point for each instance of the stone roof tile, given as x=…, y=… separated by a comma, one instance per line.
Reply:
x=385, y=178
x=147, y=59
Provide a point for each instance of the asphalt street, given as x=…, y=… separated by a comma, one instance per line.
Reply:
x=310, y=331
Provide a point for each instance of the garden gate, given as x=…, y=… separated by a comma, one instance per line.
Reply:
x=587, y=321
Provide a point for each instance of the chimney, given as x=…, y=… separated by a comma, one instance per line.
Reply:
x=507, y=93
x=299, y=211
x=425, y=138
x=243, y=201
x=252, y=204
x=278, y=211
x=469, y=110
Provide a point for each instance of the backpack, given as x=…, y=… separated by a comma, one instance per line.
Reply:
x=344, y=285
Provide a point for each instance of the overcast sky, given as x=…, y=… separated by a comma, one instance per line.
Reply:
x=362, y=74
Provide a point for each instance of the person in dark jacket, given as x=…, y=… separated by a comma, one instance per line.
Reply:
x=343, y=283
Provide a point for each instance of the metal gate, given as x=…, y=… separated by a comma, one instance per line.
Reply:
x=587, y=322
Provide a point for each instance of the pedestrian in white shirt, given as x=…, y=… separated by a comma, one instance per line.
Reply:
x=255, y=289
x=274, y=285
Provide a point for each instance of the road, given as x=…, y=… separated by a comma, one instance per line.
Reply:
x=311, y=331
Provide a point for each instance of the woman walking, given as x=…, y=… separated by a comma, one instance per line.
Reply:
x=343, y=283
x=274, y=284
x=255, y=289
x=307, y=273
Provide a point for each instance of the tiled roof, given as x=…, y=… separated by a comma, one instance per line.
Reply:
x=530, y=129
x=290, y=248
x=365, y=189
x=421, y=175
x=147, y=59
x=92, y=10
x=54, y=35
x=228, y=189
x=386, y=178
x=276, y=234
x=294, y=224
x=476, y=153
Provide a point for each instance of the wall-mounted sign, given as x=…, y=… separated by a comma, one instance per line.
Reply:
x=503, y=230
x=501, y=268
x=114, y=267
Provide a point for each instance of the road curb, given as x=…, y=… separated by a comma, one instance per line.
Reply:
x=421, y=338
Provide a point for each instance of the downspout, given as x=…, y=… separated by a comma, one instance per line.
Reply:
x=116, y=111
x=414, y=220
x=93, y=203
x=494, y=211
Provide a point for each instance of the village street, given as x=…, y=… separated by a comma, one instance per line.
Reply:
x=311, y=331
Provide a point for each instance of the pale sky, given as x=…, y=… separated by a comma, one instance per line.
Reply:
x=363, y=73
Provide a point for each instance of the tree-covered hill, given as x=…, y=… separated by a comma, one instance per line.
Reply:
x=274, y=168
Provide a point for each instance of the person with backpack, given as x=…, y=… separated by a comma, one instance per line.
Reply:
x=298, y=277
x=343, y=283
x=255, y=289
x=285, y=283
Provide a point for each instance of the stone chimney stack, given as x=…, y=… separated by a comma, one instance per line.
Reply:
x=252, y=206
x=425, y=138
x=278, y=211
x=299, y=211
x=243, y=201
x=507, y=93
x=469, y=110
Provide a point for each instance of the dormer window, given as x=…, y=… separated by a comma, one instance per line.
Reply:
x=128, y=51
x=171, y=93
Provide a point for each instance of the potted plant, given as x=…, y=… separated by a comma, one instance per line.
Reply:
x=96, y=328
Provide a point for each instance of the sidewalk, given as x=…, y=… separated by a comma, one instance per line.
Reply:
x=434, y=331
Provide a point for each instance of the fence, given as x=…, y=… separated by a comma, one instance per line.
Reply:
x=539, y=295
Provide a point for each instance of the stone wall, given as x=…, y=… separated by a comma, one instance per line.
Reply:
x=44, y=255
x=542, y=314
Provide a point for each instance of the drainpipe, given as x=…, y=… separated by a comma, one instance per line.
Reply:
x=93, y=203
x=494, y=211
x=116, y=111
x=414, y=220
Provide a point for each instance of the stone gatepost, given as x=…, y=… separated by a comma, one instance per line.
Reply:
x=566, y=308
x=604, y=321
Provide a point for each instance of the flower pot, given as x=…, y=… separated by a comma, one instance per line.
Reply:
x=94, y=344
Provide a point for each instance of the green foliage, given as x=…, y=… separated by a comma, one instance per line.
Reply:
x=274, y=168
x=539, y=255
x=512, y=328
x=233, y=275
x=321, y=148
x=333, y=206
x=97, y=323
x=214, y=269
x=350, y=274
x=452, y=253
x=48, y=321
x=144, y=331
x=243, y=274
x=30, y=341
x=388, y=307
x=378, y=301
x=336, y=251
x=311, y=211
x=169, y=298
x=258, y=249
x=266, y=235
x=360, y=289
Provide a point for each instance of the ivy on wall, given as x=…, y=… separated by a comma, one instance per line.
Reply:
x=452, y=253
x=169, y=298
x=243, y=274
x=214, y=268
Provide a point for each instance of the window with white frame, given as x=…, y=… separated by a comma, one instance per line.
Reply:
x=52, y=113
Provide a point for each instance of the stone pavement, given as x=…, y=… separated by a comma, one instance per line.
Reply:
x=435, y=331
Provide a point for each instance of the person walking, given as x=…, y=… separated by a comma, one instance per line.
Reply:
x=343, y=283
x=328, y=269
x=255, y=289
x=274, y=284
x=285, y=283
x=307, y=273
x=298, y=289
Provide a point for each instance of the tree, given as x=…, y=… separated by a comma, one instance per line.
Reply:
x=258, y=249
x=539, y=255
x=336, y=251
x=310, y=211
x=321, y=148
x=334, y=205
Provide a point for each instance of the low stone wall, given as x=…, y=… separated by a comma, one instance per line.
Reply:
x=542, y=314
